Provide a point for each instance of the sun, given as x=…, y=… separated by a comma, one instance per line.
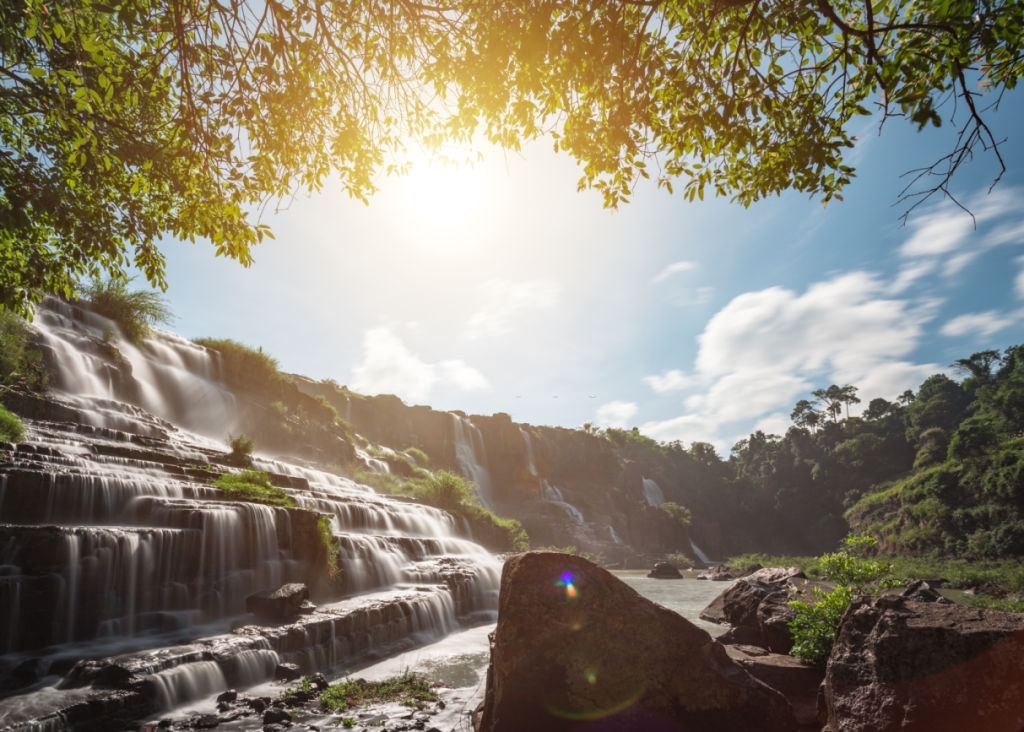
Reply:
x=441, y=199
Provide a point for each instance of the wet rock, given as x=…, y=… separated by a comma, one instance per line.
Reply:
x=276, y=715
x=276, y=606
x=228, y=696
x=206, y=721
x=914, y=666
x=603, y=651
x=664, y=570
x=287, y=672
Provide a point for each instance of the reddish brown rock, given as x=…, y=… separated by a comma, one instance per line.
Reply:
x=577, y=649
x=796, y=680
x=925, y=666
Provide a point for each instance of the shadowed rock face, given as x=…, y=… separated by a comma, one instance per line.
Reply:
x=915, y=666
x=577, y=649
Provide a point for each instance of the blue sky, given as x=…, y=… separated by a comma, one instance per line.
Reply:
x=499, y=288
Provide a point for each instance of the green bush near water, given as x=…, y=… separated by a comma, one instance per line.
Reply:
x=408, y=688
x=456, y=495
x=253, y=486
x=11, y=428
x=134, y=311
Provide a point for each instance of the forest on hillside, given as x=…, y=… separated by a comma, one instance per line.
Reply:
x=936, y=471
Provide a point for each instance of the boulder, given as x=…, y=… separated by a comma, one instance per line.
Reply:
x=757, y=607
x=665, y=570
x=913, y=666
x=574, y=645
x=278, y=605
x=718, y=573
x=794, y=679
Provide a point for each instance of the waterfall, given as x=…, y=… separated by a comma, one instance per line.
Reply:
x=167, y=376
x=115, y=548
x=471, y=458
x=550, y=493
x=700, y=555
x=652, y=493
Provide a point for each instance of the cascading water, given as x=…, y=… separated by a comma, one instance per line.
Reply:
x=652, y=493
x=700, y=555
x=471, y=457
x=550, y=493
x=118, y=560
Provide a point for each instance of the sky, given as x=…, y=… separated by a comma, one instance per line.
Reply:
x=500, y=288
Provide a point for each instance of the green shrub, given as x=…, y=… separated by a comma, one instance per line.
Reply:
x=255, y=487
x=814, y=627
x=323, y=525
x=243, y=366
x=815, y=623
x=134, y=311
x=11, y=428
x=409, y=688
x=21, y=363
x=417, y=456
x=241, y=450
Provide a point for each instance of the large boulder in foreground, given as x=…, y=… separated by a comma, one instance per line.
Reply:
x=898, y=664
x=280, y=605
x=577, y=649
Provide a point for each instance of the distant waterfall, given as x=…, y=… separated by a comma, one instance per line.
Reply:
x=652, y=492
x=551, y=493
x=700, y=555
x=471, y=457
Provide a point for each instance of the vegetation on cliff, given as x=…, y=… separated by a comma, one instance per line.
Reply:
x=11, y=428
x=134, y=311
x=456, y=495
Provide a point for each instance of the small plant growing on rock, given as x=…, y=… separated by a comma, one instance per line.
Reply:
x=241, y=450
x=255, y=487
x=815, y=625
x=11, y=429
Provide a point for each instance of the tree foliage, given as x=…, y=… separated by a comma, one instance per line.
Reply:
x=127, y=121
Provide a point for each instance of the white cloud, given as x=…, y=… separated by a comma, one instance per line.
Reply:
x=505, y=301
x=983, y=324
x=911, y=273
x=939, y=232
x=841, y=325
x=615, y=413
x=1019, y=283
x=767, y=349
x=674, y=269
x=673, y=380
x=389, y=367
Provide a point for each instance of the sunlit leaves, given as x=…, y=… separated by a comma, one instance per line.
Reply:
x=130, y=120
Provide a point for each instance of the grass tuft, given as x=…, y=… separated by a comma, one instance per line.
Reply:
x=409, y=688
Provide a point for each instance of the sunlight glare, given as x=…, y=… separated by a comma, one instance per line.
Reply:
x=442, y=199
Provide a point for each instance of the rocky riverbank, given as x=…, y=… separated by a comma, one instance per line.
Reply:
x=910, y=661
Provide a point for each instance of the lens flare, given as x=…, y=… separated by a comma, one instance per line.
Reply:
x=566, y=580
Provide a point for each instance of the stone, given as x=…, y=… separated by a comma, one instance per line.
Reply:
x=227, y=696
x=913, y=666
x=665, y=570
x=287, y=672
x=278, y=605
x=757, y=607
x=276, y=715
x=794, y=679
x=923, y=591
x=575, y=643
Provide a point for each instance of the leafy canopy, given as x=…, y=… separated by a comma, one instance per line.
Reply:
x=125, y=122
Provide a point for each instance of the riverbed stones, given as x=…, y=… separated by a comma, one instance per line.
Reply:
x=573, y=644
x=912, y=666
